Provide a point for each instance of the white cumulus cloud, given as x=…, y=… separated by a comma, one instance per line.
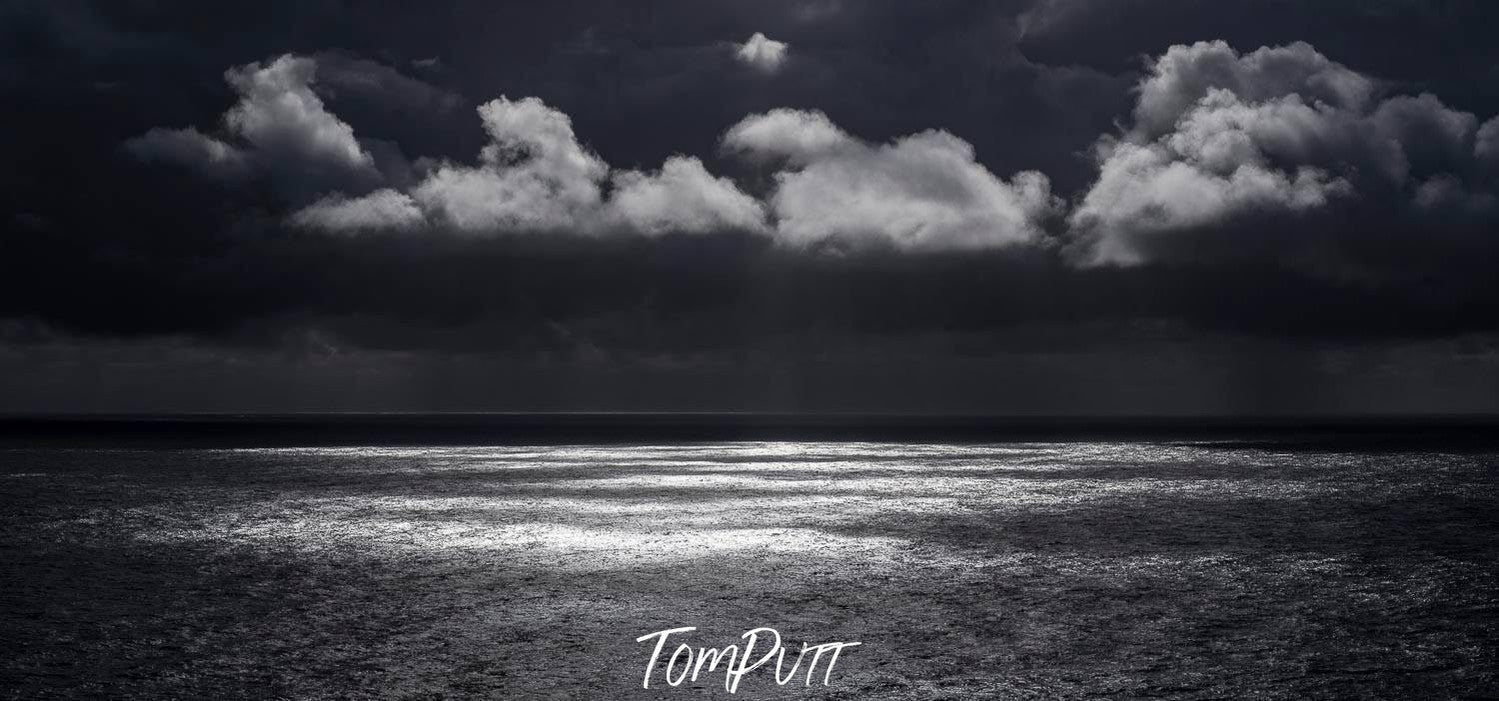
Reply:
x=920, y=192
x=786, y=134
x=280, y=116
x=279, y=126
x=683, y=197
x=1221, y=137
x=1184, y=74
x=762, y=53
x=536, y=176
x=533, y=175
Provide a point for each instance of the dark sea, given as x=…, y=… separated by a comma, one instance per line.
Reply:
x=521, y=557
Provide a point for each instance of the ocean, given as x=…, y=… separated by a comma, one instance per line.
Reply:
x=193, y=559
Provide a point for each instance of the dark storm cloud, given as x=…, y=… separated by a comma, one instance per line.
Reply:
x=696, y=182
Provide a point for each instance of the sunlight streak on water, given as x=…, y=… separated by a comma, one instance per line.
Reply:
x=1085, y=569
x=634, y=505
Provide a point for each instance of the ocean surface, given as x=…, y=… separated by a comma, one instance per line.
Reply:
x=1262, y=566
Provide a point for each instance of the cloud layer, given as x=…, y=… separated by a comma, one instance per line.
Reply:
x=1232, y=172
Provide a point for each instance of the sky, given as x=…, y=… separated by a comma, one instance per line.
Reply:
x=1058, y=207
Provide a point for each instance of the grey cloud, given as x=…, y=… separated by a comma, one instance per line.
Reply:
x=340, y=76
x=382, y=209
x=1431, y=138
x=799, y=136
x=1148, y=190
x=924, y=191
x=762, y=53
x=281, y=127
x=535, y=175
x=1185, y=74
x=683, y=197
x=1487, y=142
x=1254, y=144
x=817, y=10
x=285, y=122
x=190, y=148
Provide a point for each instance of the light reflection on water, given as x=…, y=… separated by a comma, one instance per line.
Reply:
x=969, y=570
x=642, y=514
